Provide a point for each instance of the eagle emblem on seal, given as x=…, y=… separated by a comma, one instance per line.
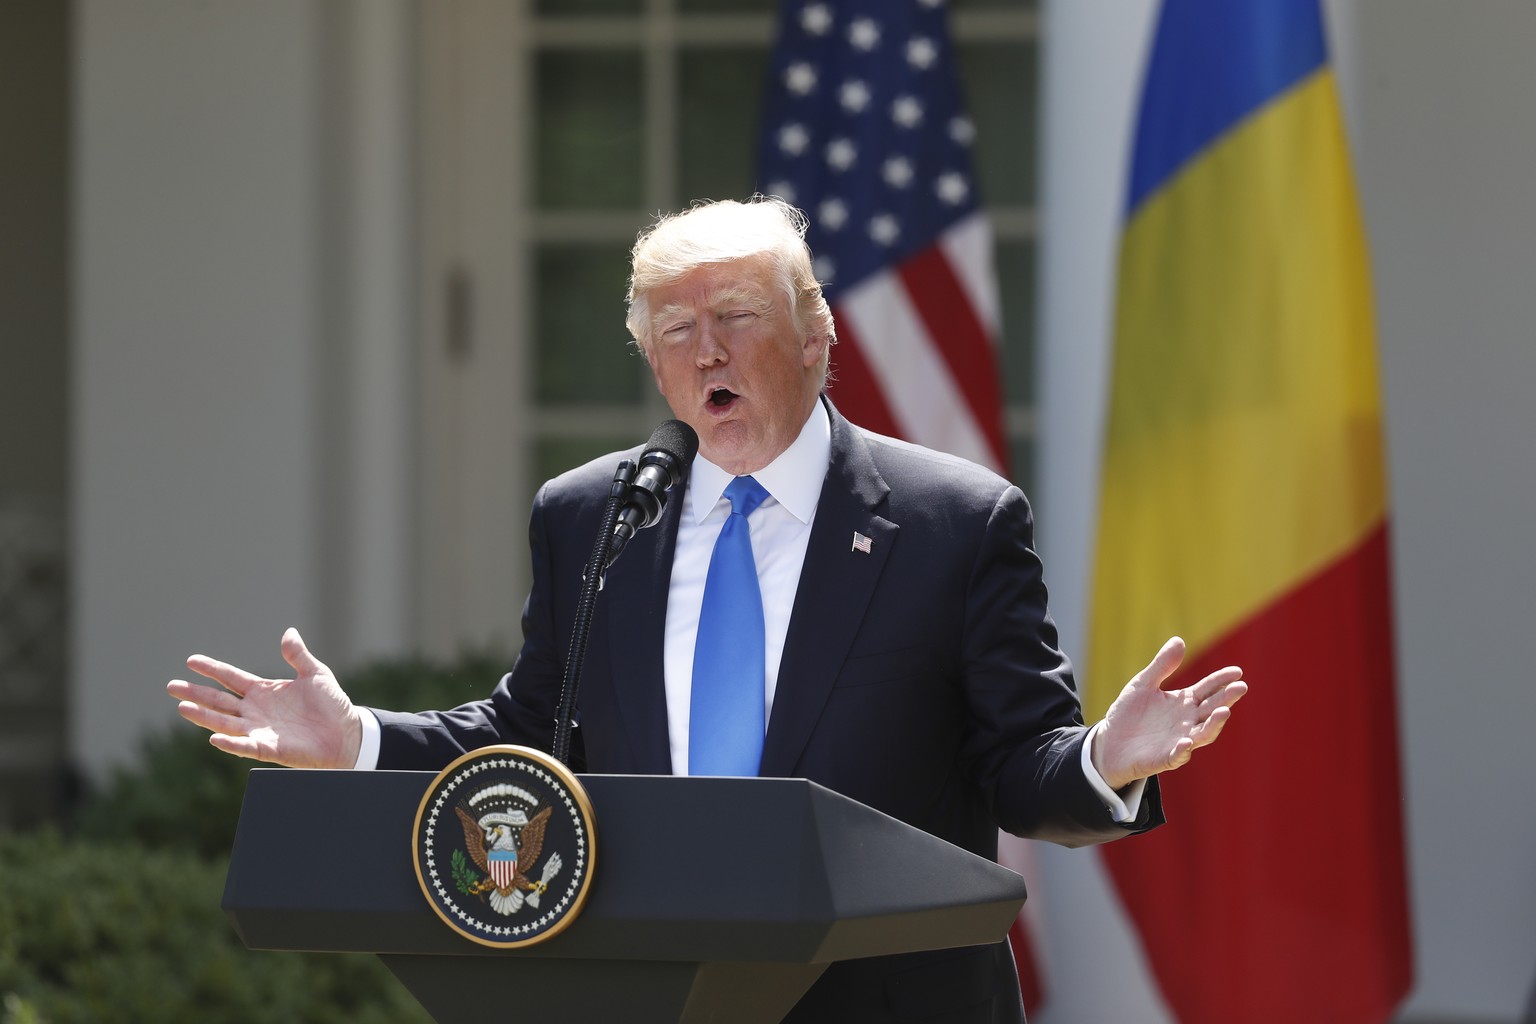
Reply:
x=505, y=844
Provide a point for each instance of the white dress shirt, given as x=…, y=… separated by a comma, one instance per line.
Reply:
x=781, y=531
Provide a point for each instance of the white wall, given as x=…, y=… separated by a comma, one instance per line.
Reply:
x=1437, y=95
x=1447, y=157
x=240, y=341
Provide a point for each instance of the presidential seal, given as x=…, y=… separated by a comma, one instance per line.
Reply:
x=504, y=846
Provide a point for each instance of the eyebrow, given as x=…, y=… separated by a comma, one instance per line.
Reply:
x=666, y=312
x=735, y=295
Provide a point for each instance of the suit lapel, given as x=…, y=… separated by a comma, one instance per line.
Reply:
x=636, y=595
x=836, y=585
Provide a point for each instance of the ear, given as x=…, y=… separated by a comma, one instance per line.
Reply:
x=812, y=349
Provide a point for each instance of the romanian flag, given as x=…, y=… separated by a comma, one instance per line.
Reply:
x=1244, y=507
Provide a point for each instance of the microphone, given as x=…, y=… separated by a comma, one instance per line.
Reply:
x=668, y=454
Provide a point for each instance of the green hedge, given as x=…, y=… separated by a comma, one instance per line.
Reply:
x=118, y=918
x=95, y=930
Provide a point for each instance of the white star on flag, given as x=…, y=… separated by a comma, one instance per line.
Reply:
x=864, y=34
x=907, y=111
x=793, y=138
x=816, y=19
x=951, y=187
x=884, y=228
x=833, y=213
x=783, y=189
x=921, y=53
x=854, y=96
x=800, y=78
x=841, y=154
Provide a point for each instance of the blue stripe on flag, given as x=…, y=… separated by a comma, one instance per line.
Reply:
x=1213, y=63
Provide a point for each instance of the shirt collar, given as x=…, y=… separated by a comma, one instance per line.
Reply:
x=793, y=479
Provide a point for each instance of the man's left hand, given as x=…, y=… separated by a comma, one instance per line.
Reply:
x=1149, y=729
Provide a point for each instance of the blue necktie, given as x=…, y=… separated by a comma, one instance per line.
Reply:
x=725, y=719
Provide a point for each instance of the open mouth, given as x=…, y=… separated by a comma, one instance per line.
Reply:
x=721, y=397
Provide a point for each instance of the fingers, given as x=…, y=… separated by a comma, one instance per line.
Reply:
x=297, y=655
x=1163, y=665
x=213, y=721
x=1216, y=682
x=239, y=681
x=231, y=733
x=204, y=696
x=1223, y=698
x=1207, y=731
x=1214, y=711
x=236, y=680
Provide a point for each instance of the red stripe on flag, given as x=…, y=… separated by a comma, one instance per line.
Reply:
x=1280, y=894
x=853, y=387
x=961, y=338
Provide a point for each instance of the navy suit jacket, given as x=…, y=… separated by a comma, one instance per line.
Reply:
x=922, y=678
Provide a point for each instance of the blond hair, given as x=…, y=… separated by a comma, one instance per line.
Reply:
x=764, y=228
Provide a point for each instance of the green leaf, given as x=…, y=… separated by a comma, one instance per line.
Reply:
x=463, y=877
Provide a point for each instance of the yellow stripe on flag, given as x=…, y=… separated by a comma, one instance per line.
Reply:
x=1243, y=451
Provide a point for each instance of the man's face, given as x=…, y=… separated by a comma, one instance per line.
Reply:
x=729, y=359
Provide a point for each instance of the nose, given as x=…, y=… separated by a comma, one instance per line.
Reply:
x=711, y=351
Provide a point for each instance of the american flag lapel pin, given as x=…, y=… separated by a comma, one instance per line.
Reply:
x=861, y=542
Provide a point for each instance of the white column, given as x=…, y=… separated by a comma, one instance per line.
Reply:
x=193, y=358
x=1439, y=96
x=475, y=386
x=369, y=468
x=242, y=335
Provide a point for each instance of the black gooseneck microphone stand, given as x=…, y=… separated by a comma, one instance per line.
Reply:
x=591, y=583
x=635, y=501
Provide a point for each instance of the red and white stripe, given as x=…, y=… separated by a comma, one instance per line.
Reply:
x=917, y=348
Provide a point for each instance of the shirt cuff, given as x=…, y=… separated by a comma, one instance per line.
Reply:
x=1123, y=806
x=368, y=750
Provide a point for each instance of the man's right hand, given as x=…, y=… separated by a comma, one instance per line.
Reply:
x=303, y=722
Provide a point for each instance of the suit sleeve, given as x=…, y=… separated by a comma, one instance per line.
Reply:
x=1024, y=742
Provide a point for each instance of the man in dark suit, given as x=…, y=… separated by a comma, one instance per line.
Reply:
x=904, y=655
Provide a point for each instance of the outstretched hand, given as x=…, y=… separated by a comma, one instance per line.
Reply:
x=303, y=722
x=1148, y=729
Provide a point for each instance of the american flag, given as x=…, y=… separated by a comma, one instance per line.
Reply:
x=865, y=131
